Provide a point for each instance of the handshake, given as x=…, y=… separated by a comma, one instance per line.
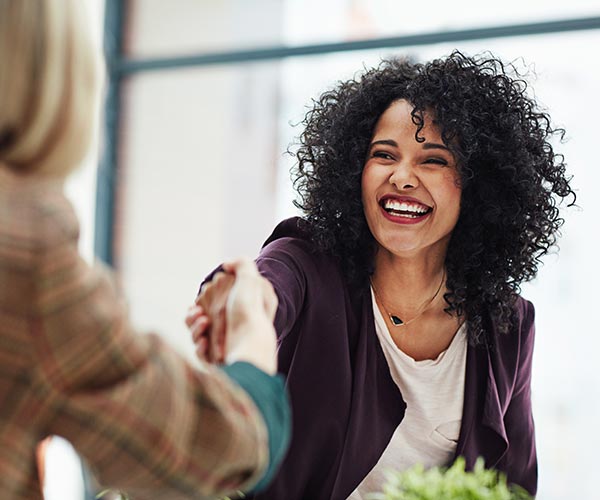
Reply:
x=232, y=318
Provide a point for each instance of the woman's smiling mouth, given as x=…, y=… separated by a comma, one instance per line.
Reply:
x=404, y=210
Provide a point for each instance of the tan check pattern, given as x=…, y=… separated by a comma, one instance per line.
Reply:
x=70, y=365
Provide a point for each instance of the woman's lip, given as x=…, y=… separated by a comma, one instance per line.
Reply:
x=405, y=199
x=398, y=219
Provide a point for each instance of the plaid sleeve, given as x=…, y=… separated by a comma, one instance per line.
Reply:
x=144, y=420
x=275, y=411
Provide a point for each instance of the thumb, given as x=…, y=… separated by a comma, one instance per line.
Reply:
x=241, y=267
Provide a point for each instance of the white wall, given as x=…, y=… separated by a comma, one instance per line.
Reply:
x=198, y=156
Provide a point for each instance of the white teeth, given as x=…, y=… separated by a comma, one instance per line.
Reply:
x=403, y=206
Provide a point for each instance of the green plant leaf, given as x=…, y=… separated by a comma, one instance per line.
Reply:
x=453, y=483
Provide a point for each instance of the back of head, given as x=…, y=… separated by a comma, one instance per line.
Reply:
x=48, y=85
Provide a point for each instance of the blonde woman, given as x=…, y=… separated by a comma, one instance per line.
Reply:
x=70, y=365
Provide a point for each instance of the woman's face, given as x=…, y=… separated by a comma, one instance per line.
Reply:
x=410, y=190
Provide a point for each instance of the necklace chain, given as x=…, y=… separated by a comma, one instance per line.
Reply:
x=394, y=318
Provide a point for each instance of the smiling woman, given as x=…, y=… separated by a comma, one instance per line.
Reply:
x=429, y=194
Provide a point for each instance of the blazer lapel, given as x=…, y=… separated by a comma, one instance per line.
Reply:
x=482, y=431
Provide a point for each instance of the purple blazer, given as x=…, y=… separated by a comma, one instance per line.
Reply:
x=346, y=406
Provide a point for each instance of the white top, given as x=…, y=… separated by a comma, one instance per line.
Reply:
x=433, y=391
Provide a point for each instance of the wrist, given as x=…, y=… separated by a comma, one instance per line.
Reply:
x=256, y=345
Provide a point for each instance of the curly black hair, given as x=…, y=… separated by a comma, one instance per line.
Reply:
x=512, y=180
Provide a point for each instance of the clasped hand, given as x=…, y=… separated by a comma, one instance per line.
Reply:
x=232, y=319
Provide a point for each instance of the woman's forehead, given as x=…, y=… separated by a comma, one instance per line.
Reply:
x=400, y=116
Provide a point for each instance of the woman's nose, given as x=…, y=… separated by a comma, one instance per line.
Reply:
x=404, y=177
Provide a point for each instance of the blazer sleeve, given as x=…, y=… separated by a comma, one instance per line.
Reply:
x=283, y=262
x=520, y=461
x=146, y=421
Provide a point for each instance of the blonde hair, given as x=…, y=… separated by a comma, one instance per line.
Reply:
x=49, y=80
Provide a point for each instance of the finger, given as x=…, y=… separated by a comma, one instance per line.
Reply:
x=207, y=283
x=193, y=313
x=221, y=349
x=220, y=345
x=200, y=327
x=215, y=338
x=201, y=349
x=207, y=287
x=203, y=287
x=219, y=278
x=218, y=286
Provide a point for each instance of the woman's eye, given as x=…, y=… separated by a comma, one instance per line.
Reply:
x=436, y=161
x=382, y=154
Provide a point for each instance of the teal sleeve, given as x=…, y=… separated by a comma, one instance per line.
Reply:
x=270, y=396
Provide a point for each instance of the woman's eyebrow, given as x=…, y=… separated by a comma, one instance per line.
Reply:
x=435, y=145
x=384, y=142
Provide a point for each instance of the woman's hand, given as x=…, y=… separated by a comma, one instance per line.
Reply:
x=206, y=320
x=233, y=317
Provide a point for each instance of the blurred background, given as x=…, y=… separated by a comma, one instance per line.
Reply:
x=202, y=98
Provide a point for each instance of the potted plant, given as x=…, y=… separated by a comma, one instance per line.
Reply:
x=453, y=483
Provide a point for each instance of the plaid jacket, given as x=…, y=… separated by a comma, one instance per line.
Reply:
x=70, y=365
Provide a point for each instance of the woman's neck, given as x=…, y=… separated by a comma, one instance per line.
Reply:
x=407, y=281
